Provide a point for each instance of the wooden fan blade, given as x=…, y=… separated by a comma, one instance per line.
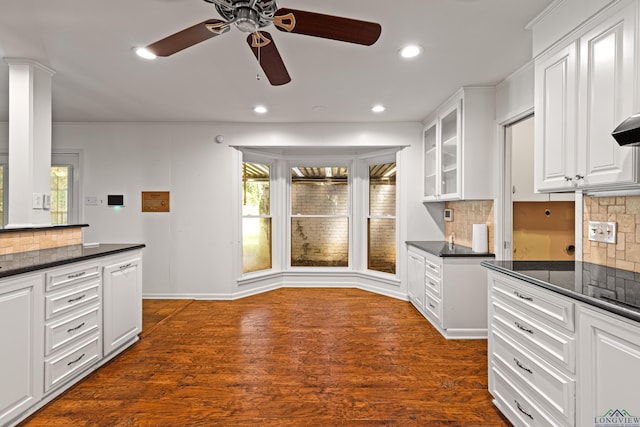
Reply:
x=268, y=57
x=327, y=26
x=188, y=37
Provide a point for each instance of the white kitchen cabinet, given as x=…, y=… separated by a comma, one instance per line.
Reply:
x=73, y=325
x=555, y=106
x=458, y=147
x=21, y=344
x=607, y=94
x=451, y=288
x=532, y=353
x=583, y=89
x=122, y=287
x=609, y=372
x=416, y=278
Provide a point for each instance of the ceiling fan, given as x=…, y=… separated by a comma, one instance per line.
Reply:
x=251, y=16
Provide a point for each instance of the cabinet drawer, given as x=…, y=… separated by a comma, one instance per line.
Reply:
x=71, y=276
x=519, y=408
x=60, y=369
x=432, y=285
x=543, y=305
x=550, y=344
x=432, y=268
x=73, y=328
x=550, y=387
x=65, y=301
x=433, y=306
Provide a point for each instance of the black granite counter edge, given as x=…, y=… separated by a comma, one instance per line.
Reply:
x=443, y=250
x=610, y=307
x=88, y=253
x=45, y=227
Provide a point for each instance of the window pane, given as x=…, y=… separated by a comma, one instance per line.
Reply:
x=320, y=242
x=382, y=190
x=255, y=189
x=60, y=194
x=319, y=191
x=256, y=244
x=382, y=245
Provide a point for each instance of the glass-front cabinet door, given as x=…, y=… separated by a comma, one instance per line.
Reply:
x=450, y=153
x=441, y=146
x=430, y=148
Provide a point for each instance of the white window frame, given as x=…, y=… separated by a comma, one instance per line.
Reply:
x=71, y=159
x=275, y=225
x=321, y=162
x=4, y=162
x=365, y=163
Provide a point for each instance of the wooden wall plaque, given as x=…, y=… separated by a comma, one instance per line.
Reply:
x=155, y=201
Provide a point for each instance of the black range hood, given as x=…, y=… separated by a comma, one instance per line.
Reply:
x=628, y=132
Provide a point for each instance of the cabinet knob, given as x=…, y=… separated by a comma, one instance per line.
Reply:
x=568, y=178
x=579, y=177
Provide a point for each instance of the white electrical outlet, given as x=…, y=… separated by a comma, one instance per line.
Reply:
x=600, y=231
x=91, y=200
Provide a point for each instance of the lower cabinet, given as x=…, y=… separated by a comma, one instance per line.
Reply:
x=122, y=301
x=21, y=345
x=532, y=353
x=555, y=361
x=609, y=371
x=63, y=323
x=450, y=292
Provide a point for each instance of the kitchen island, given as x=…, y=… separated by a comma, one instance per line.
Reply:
x=564, y=342
x=65, y=311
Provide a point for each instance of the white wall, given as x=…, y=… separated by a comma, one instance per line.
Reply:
x=190, y=250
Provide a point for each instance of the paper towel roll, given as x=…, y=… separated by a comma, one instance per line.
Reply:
x=480, y=238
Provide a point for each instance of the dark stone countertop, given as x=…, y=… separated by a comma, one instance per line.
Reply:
x=26, y=262
x=444, y=250
x=611, y=289
x=41, y=228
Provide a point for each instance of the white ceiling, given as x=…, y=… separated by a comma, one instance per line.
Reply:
x=99, y=78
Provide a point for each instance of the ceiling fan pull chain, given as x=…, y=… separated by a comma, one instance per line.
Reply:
x=259, y=63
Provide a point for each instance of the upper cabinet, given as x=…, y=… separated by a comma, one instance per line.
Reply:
x=585, y=86
x=458, y=147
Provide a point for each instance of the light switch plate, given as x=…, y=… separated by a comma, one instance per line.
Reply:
x=37, y=201
x=600, y=231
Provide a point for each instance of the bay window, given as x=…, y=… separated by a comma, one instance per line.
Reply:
x=256, y=217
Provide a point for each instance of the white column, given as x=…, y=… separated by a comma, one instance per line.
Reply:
x=29, y=142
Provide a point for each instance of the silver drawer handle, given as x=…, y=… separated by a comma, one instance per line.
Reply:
x=122, y=267
x=522, y=328
x=521, y=366
x=432, y=284
x=73, y=276
x=76, y=328
x=522, y=410
x=77, y=360
x=76, y=298
x=432, y=306
x=433, y=267
x=524, y=297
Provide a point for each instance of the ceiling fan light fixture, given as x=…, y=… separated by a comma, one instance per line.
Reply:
x=260, y=109
x=145, y=53
x=378, y=108
x=411, y=51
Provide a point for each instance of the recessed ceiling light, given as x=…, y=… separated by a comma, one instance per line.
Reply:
x=260, y=109
x=410, y=51
x=145, y=53
x=378, y=108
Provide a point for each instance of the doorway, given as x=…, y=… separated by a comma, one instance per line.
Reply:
x=537, y=226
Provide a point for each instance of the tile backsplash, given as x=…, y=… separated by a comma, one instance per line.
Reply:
x=465, y=214
x=625, y=211
x=33, y=240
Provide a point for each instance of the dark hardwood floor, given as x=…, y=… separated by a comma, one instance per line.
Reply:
x=291, y=357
